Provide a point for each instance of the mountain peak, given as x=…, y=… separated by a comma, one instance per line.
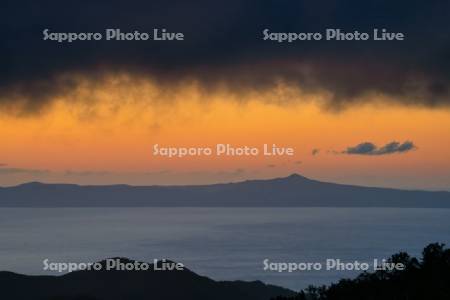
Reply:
x=297, y=176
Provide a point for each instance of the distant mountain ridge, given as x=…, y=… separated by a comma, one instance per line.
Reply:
x=132, y=285
x=292, y=191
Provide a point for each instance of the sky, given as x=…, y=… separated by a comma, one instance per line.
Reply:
x=356, y=112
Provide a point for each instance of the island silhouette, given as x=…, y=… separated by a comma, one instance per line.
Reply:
x=292, y=191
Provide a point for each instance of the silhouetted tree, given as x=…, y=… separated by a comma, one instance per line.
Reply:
x=427, y=279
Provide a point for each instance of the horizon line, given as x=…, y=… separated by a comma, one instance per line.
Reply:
x=292, y=175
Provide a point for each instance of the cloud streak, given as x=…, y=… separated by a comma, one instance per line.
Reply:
x=368, y=148
x=11, y=171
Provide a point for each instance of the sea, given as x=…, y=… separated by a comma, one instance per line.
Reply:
x=221, y=243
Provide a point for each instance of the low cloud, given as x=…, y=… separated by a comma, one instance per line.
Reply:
x=368, y=148
x=314, y=152
x=7, y=171
x=85, y=173
x=14, y=176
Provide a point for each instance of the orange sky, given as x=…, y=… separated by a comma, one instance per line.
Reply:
x=104, y=134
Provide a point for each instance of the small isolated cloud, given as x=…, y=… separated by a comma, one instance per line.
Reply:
x=334, y=152
x=315, y=151
x=298, y=162
x=236, y=172
x=368, y=148
x=271, y=166
x=2, y=165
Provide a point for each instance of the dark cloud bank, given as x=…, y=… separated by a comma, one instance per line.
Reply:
x=368, y=148
x=223, y=45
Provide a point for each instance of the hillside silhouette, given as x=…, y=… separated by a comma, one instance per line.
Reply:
x=422, y=279
x=131, y=285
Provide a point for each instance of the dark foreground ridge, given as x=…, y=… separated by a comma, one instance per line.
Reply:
x=422, y=279
x=428, y=278
x=132, y=285
x=294, y=190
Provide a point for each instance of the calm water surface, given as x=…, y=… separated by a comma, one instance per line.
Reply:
x=222, y=243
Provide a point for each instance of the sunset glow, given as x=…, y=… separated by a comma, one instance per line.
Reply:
x=105, y=131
